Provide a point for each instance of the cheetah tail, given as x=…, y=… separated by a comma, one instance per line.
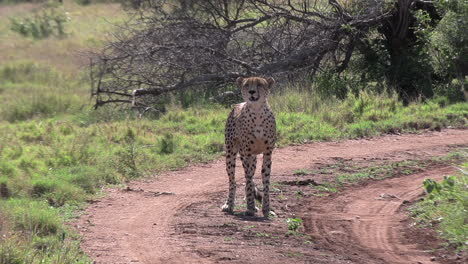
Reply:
x=258, y=194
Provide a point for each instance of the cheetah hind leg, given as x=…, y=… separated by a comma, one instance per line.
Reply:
x=258, y=196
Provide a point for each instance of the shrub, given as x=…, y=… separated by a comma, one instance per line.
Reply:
x=45, y=23
x=449, y=47
x=445, y=207
x=43, y=186
x=167, y=144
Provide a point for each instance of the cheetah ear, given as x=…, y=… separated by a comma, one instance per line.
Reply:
x=239, y=81
x=270, y=81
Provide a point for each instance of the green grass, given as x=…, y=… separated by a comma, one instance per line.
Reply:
x=37, y=234
x=305, y=116
x=30, y=90
x=446, y=210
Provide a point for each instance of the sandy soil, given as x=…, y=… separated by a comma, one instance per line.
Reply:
x=176, y=217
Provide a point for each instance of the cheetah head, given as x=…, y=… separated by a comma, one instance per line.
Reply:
x=255, y=89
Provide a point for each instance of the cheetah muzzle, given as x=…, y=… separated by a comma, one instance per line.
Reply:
x=250, y=131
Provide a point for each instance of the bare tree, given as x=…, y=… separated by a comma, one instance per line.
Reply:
x=177, y=45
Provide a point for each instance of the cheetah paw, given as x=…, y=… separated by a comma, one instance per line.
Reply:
x=249, y=213
x=269, y=214
x=226, y=208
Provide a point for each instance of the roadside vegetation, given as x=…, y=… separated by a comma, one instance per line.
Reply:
x=445, y=208
x=57, y=152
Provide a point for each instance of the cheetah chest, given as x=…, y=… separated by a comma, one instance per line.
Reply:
x=259, y=134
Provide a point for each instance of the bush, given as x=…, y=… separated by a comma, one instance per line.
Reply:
x=45, y=23
x=449, y=46
x=445, y=207
x=167, y=144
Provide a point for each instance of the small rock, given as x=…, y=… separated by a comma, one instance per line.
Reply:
x=337, y=232
x=405, y=202
x=433, y=258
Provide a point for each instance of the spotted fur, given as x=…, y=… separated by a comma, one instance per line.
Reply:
x=250, y=130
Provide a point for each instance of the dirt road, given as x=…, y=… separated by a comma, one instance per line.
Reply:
x=176, y=217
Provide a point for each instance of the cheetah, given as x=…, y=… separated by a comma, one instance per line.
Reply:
x=250, y=130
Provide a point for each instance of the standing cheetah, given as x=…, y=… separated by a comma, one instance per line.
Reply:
x=250, y=130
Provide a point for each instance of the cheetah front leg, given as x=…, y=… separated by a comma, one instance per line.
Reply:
x=231, y=171
x=249, y=162
x=266, y=170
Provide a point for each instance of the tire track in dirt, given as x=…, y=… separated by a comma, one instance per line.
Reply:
x=374, y=217
x=139, y=227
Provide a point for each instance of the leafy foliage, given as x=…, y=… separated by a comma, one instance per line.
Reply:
x=449, y=47
x=446, y=208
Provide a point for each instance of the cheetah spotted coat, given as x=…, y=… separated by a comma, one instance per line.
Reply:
x=250, y=130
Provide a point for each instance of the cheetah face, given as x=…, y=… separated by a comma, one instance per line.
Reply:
x=255, y=89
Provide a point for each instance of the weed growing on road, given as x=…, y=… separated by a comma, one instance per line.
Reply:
x=260, y=234
x=325, y=187
x=301, y=172
x=294, y=224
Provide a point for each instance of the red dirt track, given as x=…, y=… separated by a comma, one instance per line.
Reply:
x=176, y=217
